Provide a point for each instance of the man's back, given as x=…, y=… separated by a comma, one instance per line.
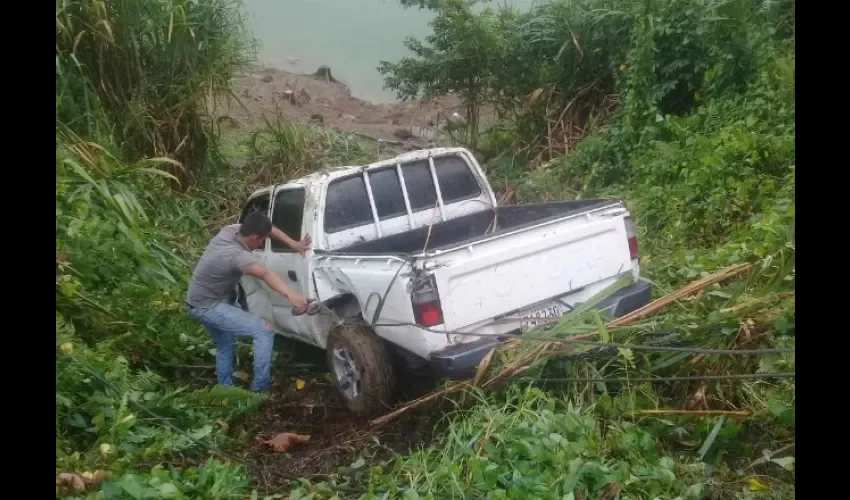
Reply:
x=219, y=269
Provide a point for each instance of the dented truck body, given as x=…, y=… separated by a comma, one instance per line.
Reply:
x=417, y=249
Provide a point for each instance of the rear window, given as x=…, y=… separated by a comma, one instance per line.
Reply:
x=347, y=205
x=386, y=189
x=348, y=201
x=420, y=185
x=456, y=179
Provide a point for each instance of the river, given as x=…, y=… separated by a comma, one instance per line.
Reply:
x=350, y=36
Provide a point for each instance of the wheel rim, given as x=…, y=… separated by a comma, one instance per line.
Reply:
x=345, y=371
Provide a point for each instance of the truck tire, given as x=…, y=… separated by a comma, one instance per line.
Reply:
x=361, y=366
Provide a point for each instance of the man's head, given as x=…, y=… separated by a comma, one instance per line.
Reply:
x=254, y=230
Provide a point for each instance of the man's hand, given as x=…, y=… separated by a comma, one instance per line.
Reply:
x=275, y=283
x=303, y=245
x=298, y=301
x=299, y=246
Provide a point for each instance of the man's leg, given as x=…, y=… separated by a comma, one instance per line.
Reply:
x=224, y=343
x=234, y=321
x=263, y=347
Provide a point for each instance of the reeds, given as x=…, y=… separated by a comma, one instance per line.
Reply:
x=139, y=73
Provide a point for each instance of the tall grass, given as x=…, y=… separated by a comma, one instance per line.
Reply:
x=133, y=80
x=141, y=72
x=282, y=151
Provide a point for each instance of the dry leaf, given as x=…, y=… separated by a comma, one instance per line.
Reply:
x=307, y=403
x=482, y=367
x=299, y=384
x=80, y=482
x=224, y=425
x=610, y=492
x=73, y=481
x=241, y=376
x=284, y=441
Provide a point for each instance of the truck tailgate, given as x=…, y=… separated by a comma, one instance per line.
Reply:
x=511, y=271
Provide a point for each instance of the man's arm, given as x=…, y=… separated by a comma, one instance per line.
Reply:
x=299, y=246
x=276, y=284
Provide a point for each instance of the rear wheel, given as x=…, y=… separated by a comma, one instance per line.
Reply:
x=362, y=368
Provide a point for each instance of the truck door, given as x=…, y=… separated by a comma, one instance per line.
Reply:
x=287, y=215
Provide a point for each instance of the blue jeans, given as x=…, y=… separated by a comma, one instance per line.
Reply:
x=224, y=322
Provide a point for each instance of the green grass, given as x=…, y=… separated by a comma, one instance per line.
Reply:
x=290, y=150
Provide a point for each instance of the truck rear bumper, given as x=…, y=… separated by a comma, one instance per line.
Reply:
x=461, y=360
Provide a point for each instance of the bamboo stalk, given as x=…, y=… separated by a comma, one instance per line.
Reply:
x=742, y=413
x=524, y=361
x=755, y=301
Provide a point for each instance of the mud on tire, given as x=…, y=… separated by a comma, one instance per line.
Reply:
x=357, y=349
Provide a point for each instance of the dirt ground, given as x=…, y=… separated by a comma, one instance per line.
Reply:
x=271, y=93
x=337, y=437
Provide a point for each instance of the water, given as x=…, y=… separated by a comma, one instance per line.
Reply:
x=350, y=36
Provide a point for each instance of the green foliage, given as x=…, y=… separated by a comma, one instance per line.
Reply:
x=213, y=480
x=531, y=443
x=142, y=70
x=132, y=82
x=110, y=416
x=456, y=59
x=553, y=69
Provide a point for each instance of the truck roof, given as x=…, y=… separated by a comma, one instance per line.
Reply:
x=328, y=174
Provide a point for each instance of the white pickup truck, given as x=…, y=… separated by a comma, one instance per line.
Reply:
x=411, y=252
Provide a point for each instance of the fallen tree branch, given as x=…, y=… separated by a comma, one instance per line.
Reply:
x=523, y=362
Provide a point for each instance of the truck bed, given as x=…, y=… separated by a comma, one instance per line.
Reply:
x=471, y=228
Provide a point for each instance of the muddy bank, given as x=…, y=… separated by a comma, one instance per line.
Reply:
x=320, y=99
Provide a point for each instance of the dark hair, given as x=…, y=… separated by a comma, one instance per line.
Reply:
x=256, y=224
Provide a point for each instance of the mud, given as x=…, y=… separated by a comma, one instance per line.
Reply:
x=337, y=437
x=270, y=93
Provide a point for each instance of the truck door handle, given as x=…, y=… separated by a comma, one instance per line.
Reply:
x=292, y=276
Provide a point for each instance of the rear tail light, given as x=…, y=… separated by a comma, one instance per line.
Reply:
x=631, y=234
x=426, y=302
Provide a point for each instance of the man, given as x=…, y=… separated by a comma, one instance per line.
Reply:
x=227, y=258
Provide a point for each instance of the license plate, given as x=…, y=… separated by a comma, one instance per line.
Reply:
x=540, y=315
